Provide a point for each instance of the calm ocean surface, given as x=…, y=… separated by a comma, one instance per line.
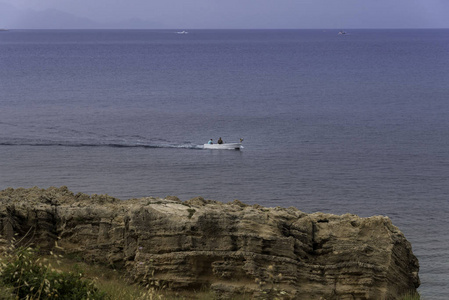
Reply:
x=356, y=123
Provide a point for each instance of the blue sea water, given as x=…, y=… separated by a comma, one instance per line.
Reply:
x=356, y=123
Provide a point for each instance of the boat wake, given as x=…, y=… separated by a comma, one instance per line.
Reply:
x=112, y=144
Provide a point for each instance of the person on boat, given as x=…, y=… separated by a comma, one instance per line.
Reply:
x=220, y=141
x=210, y=142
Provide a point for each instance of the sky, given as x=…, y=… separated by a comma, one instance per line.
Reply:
x=224, y=14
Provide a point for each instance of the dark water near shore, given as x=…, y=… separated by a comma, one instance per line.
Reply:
x=356, y=123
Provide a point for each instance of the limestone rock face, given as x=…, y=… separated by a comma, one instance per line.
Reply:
x=232, y=248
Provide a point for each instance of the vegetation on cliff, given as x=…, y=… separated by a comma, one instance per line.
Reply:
x=26, y=274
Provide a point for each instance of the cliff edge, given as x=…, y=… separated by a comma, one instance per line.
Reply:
x=232, y=248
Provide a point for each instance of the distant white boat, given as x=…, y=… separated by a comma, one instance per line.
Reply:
x=182, y=32
x=341, y=32
x=225, y=146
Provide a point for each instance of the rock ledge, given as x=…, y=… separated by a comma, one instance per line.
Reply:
x=232, y=248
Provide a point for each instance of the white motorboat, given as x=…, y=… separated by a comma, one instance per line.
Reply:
x=224, y=146
x=182, y=32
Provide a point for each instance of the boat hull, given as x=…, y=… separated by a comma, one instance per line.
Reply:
x=225, y=146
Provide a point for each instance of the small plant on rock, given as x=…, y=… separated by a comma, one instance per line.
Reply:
x=270, y=289
x=413, y=295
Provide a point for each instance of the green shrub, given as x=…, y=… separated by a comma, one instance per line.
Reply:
x=413, y=295
x=28, y=277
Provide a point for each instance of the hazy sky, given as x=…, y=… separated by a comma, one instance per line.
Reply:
x=227, y=13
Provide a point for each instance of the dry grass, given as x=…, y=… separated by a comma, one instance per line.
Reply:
x=117, y=287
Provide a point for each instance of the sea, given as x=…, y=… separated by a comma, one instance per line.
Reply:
x=355, y=123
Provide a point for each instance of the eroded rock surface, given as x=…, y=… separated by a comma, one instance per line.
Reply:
x=232, y=248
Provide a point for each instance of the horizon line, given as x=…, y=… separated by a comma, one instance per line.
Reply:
x=335, y=28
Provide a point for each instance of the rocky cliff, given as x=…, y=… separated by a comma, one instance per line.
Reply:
x=232, y=248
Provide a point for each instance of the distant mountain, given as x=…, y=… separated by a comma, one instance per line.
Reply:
x=14, y=18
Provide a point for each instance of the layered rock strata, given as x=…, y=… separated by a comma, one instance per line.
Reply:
x=231, y=248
